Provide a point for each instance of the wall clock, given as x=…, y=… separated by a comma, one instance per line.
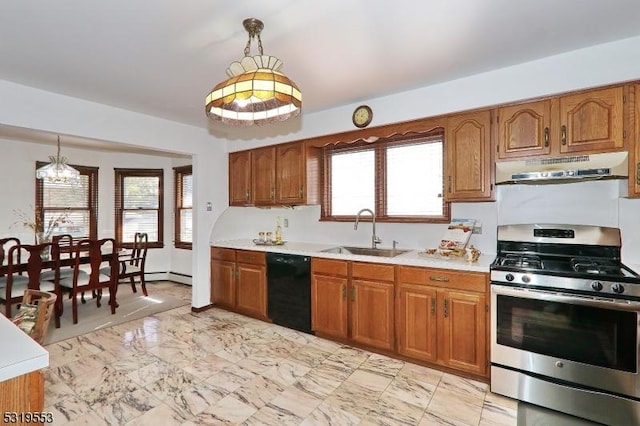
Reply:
x=362, y=116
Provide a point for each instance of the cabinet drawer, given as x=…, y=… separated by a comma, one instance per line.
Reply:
x=373, y=271
x=329, y=266
x=473, y=281
x=252, y=257
x=220, y=253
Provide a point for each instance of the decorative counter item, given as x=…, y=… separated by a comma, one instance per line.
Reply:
x=472, y=254
x=260, y=242
x=457, y=235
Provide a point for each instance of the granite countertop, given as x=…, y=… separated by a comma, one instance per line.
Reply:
x=411, y=258
x=20, y=354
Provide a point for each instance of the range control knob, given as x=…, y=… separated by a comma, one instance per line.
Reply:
x=596, y=285
x=509, y=277
x=526, y=279
x=617, y=288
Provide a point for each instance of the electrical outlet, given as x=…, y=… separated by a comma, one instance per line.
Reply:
x=477, y=228
x=209, y=206
x=286, y=223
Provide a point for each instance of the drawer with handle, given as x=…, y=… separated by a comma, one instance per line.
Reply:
x=474, y=281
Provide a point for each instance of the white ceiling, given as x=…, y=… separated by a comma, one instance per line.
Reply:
x=161, y=57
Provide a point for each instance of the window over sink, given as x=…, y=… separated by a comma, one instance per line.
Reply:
x=400, y=178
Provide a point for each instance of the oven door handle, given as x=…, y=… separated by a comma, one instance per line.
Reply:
x=552, y=296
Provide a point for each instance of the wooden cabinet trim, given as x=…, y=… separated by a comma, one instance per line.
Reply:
x=251, y=257
x=373, y=271
x=329, y=266
x=443, y=278
x=220, y=253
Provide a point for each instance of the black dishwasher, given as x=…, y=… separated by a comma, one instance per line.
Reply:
x=289, y=290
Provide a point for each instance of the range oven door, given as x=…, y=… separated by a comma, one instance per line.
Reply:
x=578, y=340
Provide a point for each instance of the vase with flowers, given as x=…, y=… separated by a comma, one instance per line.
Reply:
x=42, y=226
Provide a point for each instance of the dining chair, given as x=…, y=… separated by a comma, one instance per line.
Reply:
x=91, y=259
x=132, y=264
x=16, y=279
x=35, y=312
x=5, y=245
x=64, y=244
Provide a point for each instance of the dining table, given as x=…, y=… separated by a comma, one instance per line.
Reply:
x=67, y=261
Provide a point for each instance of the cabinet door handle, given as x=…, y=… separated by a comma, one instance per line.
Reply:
x=546, y=137
x=344, y=292
x=563, y=134
x=446, y=308
x=638, y=174
x=301, y=192
x=433, y=307
x=449, y=183
x=273, y=193
x=439, y=278
x=353, y=294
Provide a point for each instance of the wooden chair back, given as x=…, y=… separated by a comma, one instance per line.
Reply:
x=64, y=243
x=96, y=251
x=35, y=258
x=5, y=245
x=139, y=250
x=87, y=276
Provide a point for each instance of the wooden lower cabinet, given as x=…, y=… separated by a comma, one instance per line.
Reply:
x=223, y=278
x=239, y=281
x=442, y=317
x=329, y=305
x=22, y=394
x=463, y=331
x=353, y=300
x=416, y=322
x=372, y=308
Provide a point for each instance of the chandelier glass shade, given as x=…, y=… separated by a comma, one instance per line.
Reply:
x=58, y=171
x=256, y=92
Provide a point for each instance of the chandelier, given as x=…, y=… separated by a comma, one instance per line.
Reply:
x=256, y=92
x=58, y=171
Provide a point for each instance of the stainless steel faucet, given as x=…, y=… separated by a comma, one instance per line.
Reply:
x=374, y=238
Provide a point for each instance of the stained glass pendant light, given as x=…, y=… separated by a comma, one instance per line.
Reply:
x=58, y=171
x=256, y=92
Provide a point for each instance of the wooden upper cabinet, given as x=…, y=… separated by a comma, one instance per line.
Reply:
x=285, y=174
x=524, y=130
x=263, y=166
x=468, y=157
x=240, y=178
x=592, y=121
x=290, y=173
x=585, y=123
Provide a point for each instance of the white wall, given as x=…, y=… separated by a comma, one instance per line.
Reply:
x=597, y=203
x=36, y=109
x=31, y=108
x=18, y=167
x=304, y=225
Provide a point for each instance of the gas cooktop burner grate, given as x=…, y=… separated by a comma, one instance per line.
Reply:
x=522, y=261
x=594, y=266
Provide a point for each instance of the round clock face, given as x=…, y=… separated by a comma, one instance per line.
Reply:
x=362, y=116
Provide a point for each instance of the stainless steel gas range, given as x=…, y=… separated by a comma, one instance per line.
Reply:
x=565, y=321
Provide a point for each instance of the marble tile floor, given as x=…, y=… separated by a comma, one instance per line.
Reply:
x=217, y=367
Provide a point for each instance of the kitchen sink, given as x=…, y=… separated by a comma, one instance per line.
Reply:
x=365, y=251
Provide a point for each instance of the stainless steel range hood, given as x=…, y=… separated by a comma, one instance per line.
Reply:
x=612, y=165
